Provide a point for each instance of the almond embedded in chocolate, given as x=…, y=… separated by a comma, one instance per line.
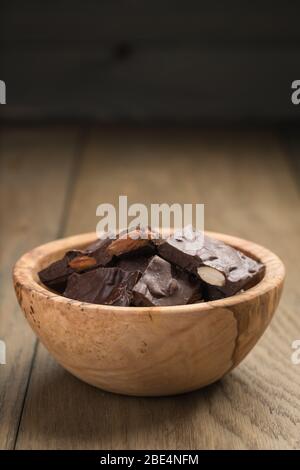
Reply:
x=81, y=263
x=99, y=251
x=125, y=245
x=55, y=275
x=186, y=270
x=217, y=264
x=211, y=276
x=131, y=241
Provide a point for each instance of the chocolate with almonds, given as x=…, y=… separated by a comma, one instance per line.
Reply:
x=55, y=276
x=139, y=268
x=223, y=269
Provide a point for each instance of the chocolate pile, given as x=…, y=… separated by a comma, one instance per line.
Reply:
x=139, y=268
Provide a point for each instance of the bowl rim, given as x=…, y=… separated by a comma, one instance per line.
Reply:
x=25, y=276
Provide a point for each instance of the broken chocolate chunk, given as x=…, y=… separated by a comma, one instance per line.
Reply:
x=140, y=268
x=218, y=265
x=81, y=263
x=163, y=284
x=181, y=248
x=99, y=251
x=134, y=262
x=227, y=269
x=132, y=241
x=56, y=275
x=109, y=286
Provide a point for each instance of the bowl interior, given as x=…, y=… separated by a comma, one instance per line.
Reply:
x=31, y=263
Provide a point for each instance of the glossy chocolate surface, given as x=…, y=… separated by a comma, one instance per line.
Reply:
x=163, y=284
x=56, y=274
x=239, y=271
x=187, y=267
x=110, y=286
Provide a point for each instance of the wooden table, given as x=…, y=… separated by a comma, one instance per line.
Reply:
x=52, y=179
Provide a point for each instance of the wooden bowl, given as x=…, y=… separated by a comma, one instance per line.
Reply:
x=147, y=350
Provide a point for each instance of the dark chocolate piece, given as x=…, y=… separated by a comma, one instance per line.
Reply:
x=190, y=268
x=163, y=284
x=132, y=262
x=132, y=241
x=99, y=251
x=224, y=269
x=110, y=286
x=211, y=293
x=181, y=248
x=56, y=275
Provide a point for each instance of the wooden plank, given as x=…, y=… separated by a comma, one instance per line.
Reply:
x=34, y=180
x=245, y=182
x=158, y=20
x=179, y=84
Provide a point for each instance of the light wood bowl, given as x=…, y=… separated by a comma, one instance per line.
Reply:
x=147, y=351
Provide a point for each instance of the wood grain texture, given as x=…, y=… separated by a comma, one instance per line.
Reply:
x=30, y=211
x=249, y=191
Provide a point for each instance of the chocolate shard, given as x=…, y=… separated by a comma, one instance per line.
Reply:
x=126, y=270
x=109, y=286
x=99, y=251
x=181, y=248
x=163, y=284
x=223, y=269
x=134, y=240
x=133, y=262
x=238, y=270
x=55, y=276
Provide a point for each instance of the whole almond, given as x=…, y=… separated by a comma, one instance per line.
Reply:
x=211, y=276
x=128, y=242
x=125, y=245
x=80, y=263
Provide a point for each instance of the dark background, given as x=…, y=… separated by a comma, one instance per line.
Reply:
x=150, y=61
